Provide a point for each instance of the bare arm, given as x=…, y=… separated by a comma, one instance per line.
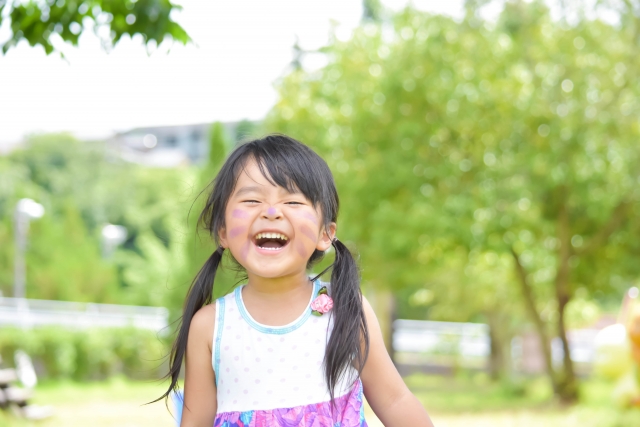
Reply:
x=200, y=402
x=384, y=389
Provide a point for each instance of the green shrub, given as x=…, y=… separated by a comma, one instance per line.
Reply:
x=88, y=354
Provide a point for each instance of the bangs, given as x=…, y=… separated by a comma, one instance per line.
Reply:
x=294, y=167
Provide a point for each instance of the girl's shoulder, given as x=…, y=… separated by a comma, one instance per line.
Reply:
x=203, y=323
x=206, y=312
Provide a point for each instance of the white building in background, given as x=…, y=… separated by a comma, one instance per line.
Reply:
x=164, y=146
x=171, y=146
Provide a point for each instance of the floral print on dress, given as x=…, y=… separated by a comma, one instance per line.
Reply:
x=348, y=412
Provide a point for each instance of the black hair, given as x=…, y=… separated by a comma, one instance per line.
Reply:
x=294, y=166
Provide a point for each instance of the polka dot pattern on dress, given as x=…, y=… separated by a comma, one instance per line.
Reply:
x=265, y=369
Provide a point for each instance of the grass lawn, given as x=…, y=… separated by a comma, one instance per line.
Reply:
x=451, y=402
x=476, y=401
x=117, y=402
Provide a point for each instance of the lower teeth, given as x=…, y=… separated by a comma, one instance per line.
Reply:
x=270, y=249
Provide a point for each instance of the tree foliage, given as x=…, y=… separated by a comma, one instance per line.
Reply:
x=42, y=22
x=84, y=186
x=512, y=141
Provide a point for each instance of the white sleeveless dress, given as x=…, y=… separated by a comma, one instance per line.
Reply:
x=273, y=376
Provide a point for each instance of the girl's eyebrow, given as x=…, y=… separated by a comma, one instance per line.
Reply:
x=249, y=189
x=260, y=189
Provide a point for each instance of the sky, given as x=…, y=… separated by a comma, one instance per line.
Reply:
x=241, y=48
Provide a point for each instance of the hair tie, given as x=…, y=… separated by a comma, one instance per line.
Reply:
x=335, y=239
x=220, y=249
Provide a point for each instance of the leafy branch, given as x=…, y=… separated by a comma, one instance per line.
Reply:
x=40, y=22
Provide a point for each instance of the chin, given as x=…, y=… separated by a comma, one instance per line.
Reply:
x=270, y=271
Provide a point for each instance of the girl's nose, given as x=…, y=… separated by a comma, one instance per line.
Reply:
x=272, y=213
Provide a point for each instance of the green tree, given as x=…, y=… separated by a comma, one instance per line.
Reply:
x=372, y=10
x=83, y=186
x=57, y=167
x=245, y=129
x=40, y=21
x=64, y=261
x=488, y=297
x=78, y=189
x=154, y=271
x=219, y=146
x=513, y=140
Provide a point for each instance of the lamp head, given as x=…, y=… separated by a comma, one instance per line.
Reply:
x=30, y=208
x=114, y=234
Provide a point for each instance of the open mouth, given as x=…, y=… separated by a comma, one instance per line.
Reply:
x=271, y=241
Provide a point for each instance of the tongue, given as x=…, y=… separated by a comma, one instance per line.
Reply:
x=271, y=244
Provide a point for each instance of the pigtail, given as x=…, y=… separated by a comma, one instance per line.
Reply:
x=349, y=341
x=200, y=294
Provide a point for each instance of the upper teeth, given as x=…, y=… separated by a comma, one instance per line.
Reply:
x=271, y=236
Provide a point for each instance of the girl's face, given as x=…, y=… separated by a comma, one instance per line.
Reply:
x=269, y=231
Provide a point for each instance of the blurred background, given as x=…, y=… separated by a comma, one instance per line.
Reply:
x=486, y=155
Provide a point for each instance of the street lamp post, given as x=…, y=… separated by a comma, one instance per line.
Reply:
x=26, y=210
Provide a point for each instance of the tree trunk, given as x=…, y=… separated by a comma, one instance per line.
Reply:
x=567, y=388
x=530, y=304
x=497, y=356
x=567, y=384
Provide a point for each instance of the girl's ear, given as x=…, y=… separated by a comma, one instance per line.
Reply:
x=222, y=237
x=326, y=237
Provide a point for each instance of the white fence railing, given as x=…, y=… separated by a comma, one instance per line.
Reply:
x=441, y=344
x=449, y=344
x=421, y=336
x=30, y=313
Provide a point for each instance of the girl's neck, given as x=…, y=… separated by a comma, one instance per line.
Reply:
x=276, y=286
x=277, y=301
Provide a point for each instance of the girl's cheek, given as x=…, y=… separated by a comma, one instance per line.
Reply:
x=244, y=251
x=237, y=235
x=238, y=240
x=237, y=231
x=238, y=223
x=302, y=244
x=302, y=250
x=308, y=232
x=311, y=217
x=240, y=214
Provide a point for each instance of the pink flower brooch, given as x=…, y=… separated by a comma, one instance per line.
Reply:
x=322, y=304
